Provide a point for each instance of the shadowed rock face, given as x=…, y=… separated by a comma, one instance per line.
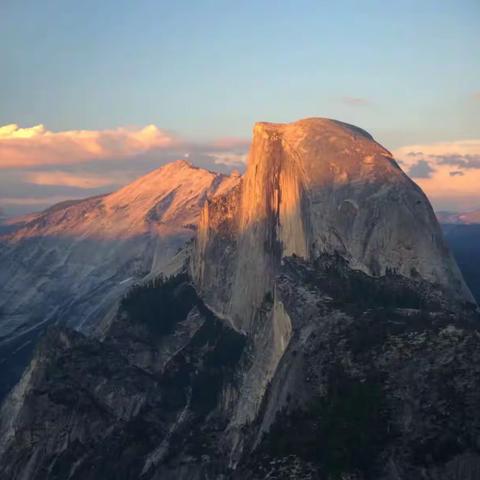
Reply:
x=135, y=404
x=379, y=379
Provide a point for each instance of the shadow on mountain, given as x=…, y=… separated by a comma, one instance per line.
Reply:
x=70, y=281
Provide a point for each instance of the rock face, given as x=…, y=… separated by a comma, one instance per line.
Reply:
x=121, y=408
x=72, y=263
x=370, y=386
x=319, y=186
x=319, y=330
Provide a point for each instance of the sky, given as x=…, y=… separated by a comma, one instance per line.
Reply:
x=94, y=94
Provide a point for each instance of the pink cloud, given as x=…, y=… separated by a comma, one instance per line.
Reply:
x=86, y=181
x=34, y=201
x=29, y=147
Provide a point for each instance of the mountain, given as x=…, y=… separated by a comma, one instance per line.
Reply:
x=72, y=263
x=465, y=218
x=319, y=328
x=312, y=187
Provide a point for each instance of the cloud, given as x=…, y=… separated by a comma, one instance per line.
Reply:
x=431, y=167
x=34, y=201
x=356, y=101
x=460, y=161
x=84, y=181
x=230, y=159
x=459, y=147
x=476, y=96
x=421, y=169
x=28, y=147
x=12, y=131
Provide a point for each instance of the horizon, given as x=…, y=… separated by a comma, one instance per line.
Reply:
x=109, y=92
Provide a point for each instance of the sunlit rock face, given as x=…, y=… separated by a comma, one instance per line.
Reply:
x=317, y=186
x=72, y=263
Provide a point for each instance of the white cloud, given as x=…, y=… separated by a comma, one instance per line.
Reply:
x=230, y=159
x=85, y=181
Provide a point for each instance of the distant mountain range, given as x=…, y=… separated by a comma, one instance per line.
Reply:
x=465, y=218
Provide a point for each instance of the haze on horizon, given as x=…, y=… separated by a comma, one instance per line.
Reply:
x=95, y=94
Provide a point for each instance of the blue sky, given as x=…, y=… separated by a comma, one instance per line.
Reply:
x=407, y=71
x=212, y=68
